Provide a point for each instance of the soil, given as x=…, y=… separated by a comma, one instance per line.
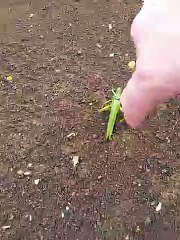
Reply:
x=64, y=60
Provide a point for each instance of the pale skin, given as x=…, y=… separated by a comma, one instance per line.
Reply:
x=156, y=34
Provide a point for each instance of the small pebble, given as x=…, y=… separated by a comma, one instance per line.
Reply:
x=153, y=203
x=71, y=135
x=138, y=229
x=62, y=215
x=31, y=15
x=6, y=227
x=20, y=172
x=36, y=181
x=75, y=161
x=110, y=26
x=131, y=65
x=67, y=208
x=111, y=55
x=98, y=45
x=30, y=218
x=29, y=165
x=28, y=173
x=9, y=78
x=79, y=52
x=159, y=206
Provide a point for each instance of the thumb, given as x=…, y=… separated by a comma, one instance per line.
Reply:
x=141, y=95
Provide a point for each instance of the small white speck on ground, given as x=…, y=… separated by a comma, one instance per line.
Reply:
x=6, y=227
x=11, y=217
x=67, y=208
x=36, y=181
x=98, y=45
x=20, y=172
x=71, y=135
x=138, y=229
x=110, y=26
x=75, y=161
x=31, y=15
x=159, y=206
x=111, y=55
x=29, y=165
x=27, y=173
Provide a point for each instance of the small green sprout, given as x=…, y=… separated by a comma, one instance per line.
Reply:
x=114, y=106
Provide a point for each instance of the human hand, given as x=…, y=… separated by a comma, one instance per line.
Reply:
x=156, y=34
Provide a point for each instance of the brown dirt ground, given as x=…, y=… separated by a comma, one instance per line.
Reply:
x=58, y=55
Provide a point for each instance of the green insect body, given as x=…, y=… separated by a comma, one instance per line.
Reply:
x=114, y=107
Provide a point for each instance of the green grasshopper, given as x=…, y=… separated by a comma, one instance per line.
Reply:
x=114, y=107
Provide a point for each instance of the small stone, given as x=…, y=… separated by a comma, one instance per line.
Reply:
x=67, y=208
x=20, y=172
x=70, y=135
x=6, y=227
x=57, y=70
x=111, y=55
x=79, y=52
x=110, y=26
x=62, y=214
x=138, y=229
x=28, y=173
x=98, y=45
x=75, y=160
x=36, y=181
x=159, y=206
x=153, y=203
x=31, y=15
x=29, y=165
x=131, y=65
x=9, y=78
